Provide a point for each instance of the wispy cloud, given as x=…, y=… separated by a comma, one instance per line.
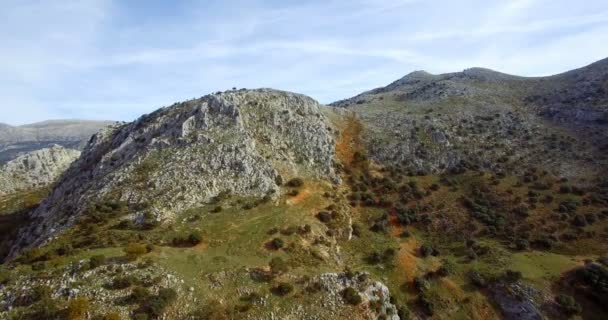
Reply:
x=115, y=59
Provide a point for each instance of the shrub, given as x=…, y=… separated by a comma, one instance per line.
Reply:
x=477, y=279
x=122, y=282
x=134, y=251
x=427, y=304
x=351, y=296
x=522, y=244
x=156, y=305
x=421, y=283
x=295, y=183
x=138, y=295
x=427, y=250
x=217, y=209
x=447, y=268
x=77, y=309
x=511, y=276
x=36, y=294
x=568, y=304
x=283, y=289
x=45, y=309
x=324, y=216
x=277, y=243
x=97, y=261
x=191, y=240
x=4, y=277
x=111, y=316
x=213, y=310
x=404, y=312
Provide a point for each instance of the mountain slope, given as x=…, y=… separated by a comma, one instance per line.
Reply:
x=243, y=143
x=470, y=195
x=482, y=118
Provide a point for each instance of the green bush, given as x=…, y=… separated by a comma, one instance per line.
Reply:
x=351, y=296
x=427, y=250
x=447, y=268
x=139, y=295
x=283, y=289
x=122, y=282
x=110, y=316
x=97, y=261
x=191, y=240
x=568, y=304
x=277, y=243
x=295, y=183
x=77, y=309
x=156, y=305
x=324, y=216
x=134, y=251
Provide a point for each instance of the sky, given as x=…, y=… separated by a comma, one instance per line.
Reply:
x=116, y=60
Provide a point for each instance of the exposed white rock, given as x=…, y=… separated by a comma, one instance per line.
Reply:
x=184, y=155
x=36, y=169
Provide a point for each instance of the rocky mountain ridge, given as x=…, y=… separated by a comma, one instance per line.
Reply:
x=241, y=142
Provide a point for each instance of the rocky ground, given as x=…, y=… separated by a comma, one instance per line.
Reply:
x=36, y=169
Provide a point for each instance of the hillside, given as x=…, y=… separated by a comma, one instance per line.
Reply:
x=469, y=195
x=73, y=134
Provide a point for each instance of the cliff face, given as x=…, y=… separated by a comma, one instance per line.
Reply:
x=241, y=142
x=36, y=169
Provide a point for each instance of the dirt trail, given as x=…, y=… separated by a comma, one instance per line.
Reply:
x=349, y=141
x=407, y=259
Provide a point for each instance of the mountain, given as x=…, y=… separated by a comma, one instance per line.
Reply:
x=483, y=118
x=473, y=194
x=73, y=134
x=35, y=169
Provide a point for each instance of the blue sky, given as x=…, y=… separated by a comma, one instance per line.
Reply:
x=111, y=59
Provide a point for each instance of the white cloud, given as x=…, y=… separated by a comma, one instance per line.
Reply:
x=108, y=59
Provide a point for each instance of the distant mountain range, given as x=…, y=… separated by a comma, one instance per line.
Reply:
x=72, y=134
